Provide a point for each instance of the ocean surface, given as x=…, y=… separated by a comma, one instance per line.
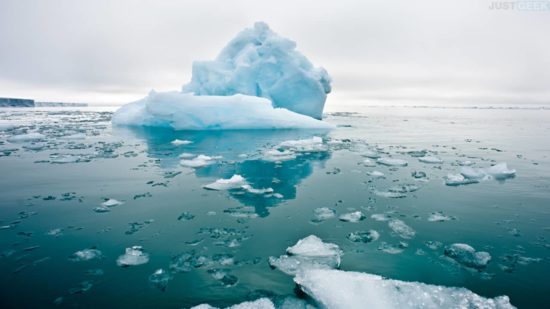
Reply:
x=77, y=192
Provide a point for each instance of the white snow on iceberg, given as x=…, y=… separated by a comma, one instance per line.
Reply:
x=258, y=81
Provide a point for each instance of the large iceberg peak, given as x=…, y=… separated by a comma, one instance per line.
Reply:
x=259, y=62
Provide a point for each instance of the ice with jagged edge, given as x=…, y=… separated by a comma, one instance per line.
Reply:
x=258, y=81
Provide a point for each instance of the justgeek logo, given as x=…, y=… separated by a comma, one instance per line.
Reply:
x=528, y=6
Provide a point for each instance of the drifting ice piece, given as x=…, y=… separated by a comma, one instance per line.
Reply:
x=259, y=81
x=338, y=289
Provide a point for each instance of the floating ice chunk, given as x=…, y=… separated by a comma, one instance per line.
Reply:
x=85, y=255
x=101, y=209
x=132, y=257
x=235, y=182
x=392, y=249
x=262, y=303
x=185, y=111
x=314, y=144
x=376, y=174
x=111, y=203
x=250, y=189
x=338, y=289
x=259, y=62
x=323, y=213
x=307, y=253
x=390, y=194
x=199, y=161
x=458, y=180
x=438, y=217
x=65, y=158
x=465, y=163
x=160, y=279
x=178, y=142
x=401, y=228
x=404, y=188
x=392, y=162
x=355, y=216
x=276, y=155
x=363, y=236
x=500, y=171
x=468, y=256
x=29, y=137
x=430, y=160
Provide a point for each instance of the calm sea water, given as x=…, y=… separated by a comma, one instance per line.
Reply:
x=49, y=191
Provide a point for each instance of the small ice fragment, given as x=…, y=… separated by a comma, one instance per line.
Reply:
x=376, y=174
x=458, y=180
x=186, y=216
x=390, y=194
x=35, y=146
x=160, y=279
x=380, y=217
x=370, y=154
x=354, y=217
x=55, y=232
x=199, y=161
x=101, y=209
x=178, y=142
x=438, y=217
x=132, y=257
x=392, y=162
x=401, y=229
x=250, y=189
x=430, y=160
x=468, y=256
x=308, y=253
x=363, y=236
x=501, y=171
x=314, y=144
x=391, y=248
x=111, y=203
x=85, y=255
x=418, y=174
x=465, y=163
x=323, y=213
x=236, y=181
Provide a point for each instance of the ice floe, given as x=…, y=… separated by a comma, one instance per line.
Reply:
x=133, y=256
x=468, y=256
x=430, y=160
x=307, y=253
x=363, y=236
x=323, y=213
x=199, y=161
x=470, y=175
x=179, y=142
x=28, y=137
x=392, y=162
x=86, y=255
x=235, y=182
x=354, y=216
x=401, y=229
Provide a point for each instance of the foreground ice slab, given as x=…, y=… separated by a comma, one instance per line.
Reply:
x=185, y=111
x=259, y=62
x=308, y=253
x=337, y=289
x=258, y=81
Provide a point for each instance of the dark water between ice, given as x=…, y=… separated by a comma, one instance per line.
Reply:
x=47, y=206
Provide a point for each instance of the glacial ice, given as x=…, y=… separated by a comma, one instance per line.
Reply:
x=337, y=289
x=85, y=255
x=323, y=213
x=258, y=81
x=430, y=160
x=363, y=236
x=199, y=161
x=179, y=142
x=353, y=217
x=28, y=137
x=111, y=203
x=470, y=175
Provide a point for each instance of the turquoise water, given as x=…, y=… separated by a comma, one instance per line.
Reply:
x=49, y=196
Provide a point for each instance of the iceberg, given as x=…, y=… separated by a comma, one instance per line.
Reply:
x=235, y=182
x=258, y=81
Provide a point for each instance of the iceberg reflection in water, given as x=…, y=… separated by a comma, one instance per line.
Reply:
x=240, y=152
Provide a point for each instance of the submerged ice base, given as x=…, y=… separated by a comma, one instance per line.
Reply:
x=258, y=81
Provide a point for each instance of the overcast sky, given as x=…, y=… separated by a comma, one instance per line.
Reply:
x=386, y=51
